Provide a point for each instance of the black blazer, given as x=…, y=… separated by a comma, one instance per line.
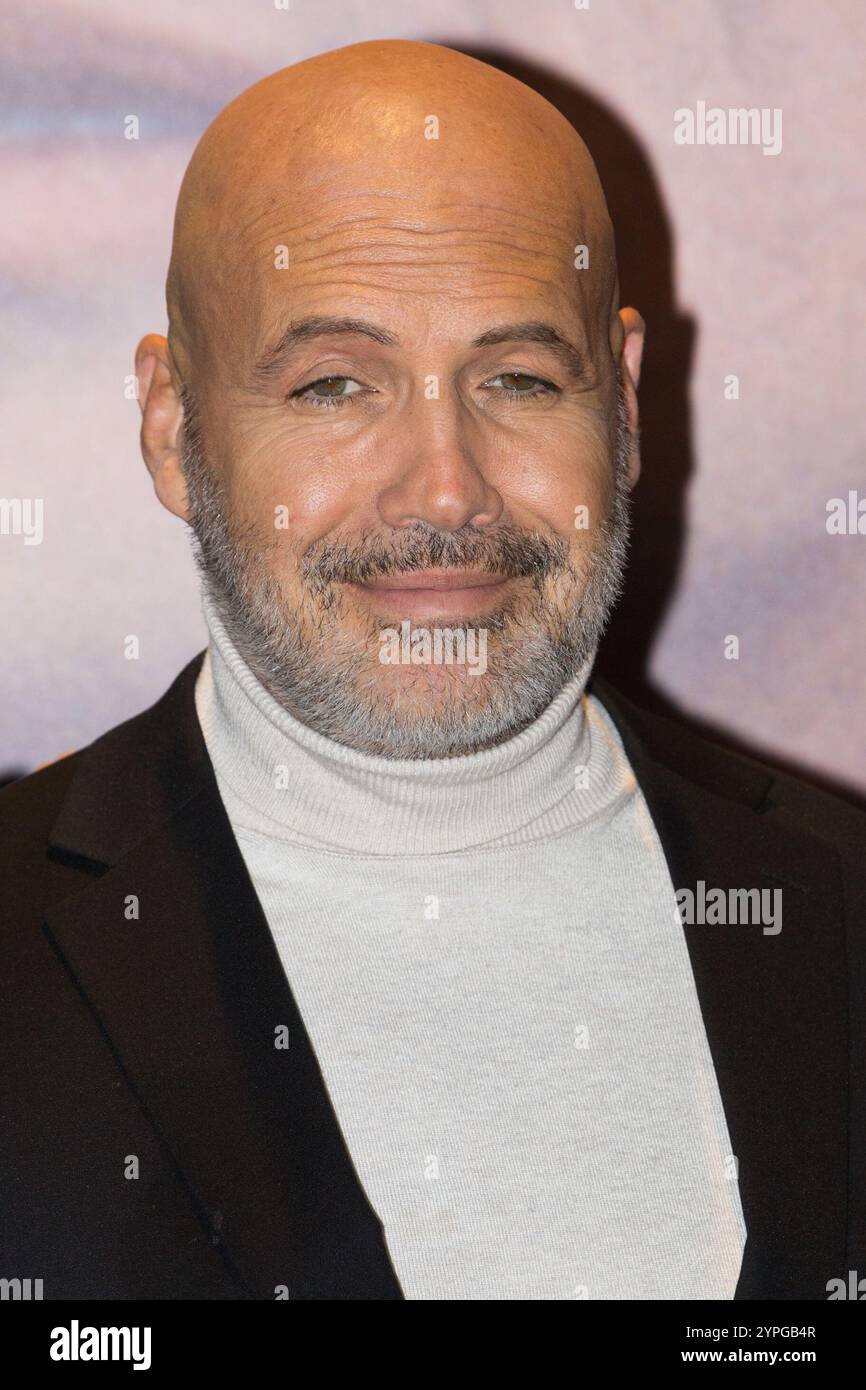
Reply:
x=147, y=1043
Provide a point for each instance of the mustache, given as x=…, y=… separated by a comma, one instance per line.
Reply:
x=505, y=550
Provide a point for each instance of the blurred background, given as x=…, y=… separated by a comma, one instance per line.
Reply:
x=744, y=265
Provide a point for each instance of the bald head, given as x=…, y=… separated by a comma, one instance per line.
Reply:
x=418, y=153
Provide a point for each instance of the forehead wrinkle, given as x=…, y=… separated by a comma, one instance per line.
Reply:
x=476, y=217
x=462, y=250
x=342, y=278
x=410, y=247
x=359, y=230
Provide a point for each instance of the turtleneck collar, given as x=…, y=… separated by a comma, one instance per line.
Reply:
x=282, y=779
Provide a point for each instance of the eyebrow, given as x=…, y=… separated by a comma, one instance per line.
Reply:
x=535, y=331
x=316, y=326
x=323, y=326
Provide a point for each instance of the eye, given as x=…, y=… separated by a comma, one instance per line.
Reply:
x=328, y=391
x=521, y=385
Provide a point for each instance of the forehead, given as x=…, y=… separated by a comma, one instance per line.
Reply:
x=443, y=267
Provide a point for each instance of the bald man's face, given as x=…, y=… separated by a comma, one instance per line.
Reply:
x=409, y=416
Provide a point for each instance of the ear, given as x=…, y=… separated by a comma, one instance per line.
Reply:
x=633, y=331
x=161, y=419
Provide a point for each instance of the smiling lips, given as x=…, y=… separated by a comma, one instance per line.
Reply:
x=440, y=593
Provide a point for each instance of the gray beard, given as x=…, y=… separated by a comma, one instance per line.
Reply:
x=319, y=676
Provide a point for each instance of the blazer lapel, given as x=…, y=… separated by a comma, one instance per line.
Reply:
x=774, y=1006
x=193, y=999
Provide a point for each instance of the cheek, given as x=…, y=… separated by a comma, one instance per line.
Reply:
x=309, y=485
x=563, y=475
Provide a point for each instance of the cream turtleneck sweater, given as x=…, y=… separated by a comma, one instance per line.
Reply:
x=487, y=957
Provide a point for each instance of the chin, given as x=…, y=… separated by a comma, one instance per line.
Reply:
x=429, y=687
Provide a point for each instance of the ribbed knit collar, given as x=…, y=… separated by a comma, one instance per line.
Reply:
x=282, y=779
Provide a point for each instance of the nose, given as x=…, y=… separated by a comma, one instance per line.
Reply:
x=439, y=475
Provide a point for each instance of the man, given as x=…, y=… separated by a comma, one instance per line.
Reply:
x=391, y=954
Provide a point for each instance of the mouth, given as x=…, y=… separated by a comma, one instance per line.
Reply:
x=441, y=593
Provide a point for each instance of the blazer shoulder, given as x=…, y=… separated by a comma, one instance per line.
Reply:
x=822, y=814
x=778, y=795
x=28, y=806
x=91, y=784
